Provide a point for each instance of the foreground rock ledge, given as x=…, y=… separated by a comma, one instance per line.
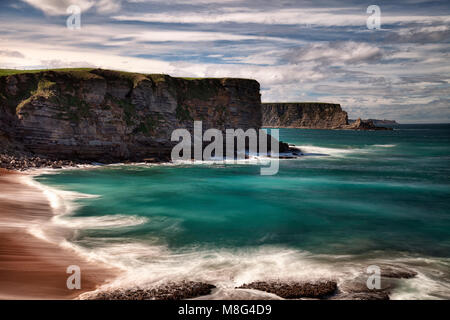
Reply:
x=293, y=290
x=169, y=291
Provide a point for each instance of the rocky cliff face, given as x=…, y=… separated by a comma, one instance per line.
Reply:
x=308, y=115
x=107, y=115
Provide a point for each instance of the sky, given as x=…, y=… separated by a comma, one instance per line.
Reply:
x=297, y=50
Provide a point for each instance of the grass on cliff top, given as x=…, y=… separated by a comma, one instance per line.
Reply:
x=86, y=72
x=8, y=72
x=211, y=78
x=303, y=102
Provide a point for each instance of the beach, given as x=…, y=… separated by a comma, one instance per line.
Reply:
x=32, y=267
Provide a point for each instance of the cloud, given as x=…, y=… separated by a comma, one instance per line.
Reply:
x=58, y=63
x=10, y=53
x=428, y=34
x=292, y=16
x=308, y=51
x=336, y=53
x=59, y=7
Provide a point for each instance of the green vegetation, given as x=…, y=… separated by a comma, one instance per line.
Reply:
x=158, y=77
x=149, y=124
x=132, y=77
x=8, y=72
x=44, y=89
x=72, y=108
x=189, y=78
x=129, y=110
x=307, y=102
x=210, y=78
x=202, y=90
x=22, y=103
x=183, y=114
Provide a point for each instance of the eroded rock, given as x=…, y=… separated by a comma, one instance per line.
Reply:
x=293, y=290
x=170, y=291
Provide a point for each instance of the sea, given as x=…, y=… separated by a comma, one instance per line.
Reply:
x=354, y=199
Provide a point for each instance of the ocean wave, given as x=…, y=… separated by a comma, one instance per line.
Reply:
x=148, y=266
x=61, y=201
x=309, y=150
x=100, y=222
x=385, y=145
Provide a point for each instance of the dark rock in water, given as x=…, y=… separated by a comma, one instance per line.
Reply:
x=356, y=289
x=364, y=125
x=376, y=295
x=169, y=291
x=398, y=272
x=293, y=290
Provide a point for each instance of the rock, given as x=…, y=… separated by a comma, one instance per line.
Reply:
x=308, y=115
x=362, y=296
x=356, y=289
x=311, y=115
x=364, y=125
x=170, y=291
x=398, y=272
x=111, y=116
x=294, y=290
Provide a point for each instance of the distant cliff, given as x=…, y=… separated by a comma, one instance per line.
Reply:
x=309, y=115
x=378, y=122
x=105, y=115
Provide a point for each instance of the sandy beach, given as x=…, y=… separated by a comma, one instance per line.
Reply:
x=31, y=267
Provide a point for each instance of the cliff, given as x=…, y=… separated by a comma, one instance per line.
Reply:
x=312, y=115
x=104, y=115
x=308, y=115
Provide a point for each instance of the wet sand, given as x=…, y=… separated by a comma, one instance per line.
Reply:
x=30, y=267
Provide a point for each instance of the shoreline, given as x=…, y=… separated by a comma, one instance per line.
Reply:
x=31, y=266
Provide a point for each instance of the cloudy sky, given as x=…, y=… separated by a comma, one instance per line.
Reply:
x=297, y=50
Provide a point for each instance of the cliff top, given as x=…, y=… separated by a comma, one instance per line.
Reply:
x=304, y=102
x=87, y=72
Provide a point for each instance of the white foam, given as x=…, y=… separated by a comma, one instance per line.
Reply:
x=309, y=150
x=100, y=222
x=61, y=201
x=148, y=266
x=421, y=287
x=385, y=145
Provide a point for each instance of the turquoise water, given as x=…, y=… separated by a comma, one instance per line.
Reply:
x=355, y=194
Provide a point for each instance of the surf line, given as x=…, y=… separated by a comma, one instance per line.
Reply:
x=257, y=144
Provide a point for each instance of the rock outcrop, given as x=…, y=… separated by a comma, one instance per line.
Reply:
x=378, y=122
x=102, y=115
x=306, y=115
x=363, y=125
x=169, y=291
x=294, y=290
x=311, y=115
